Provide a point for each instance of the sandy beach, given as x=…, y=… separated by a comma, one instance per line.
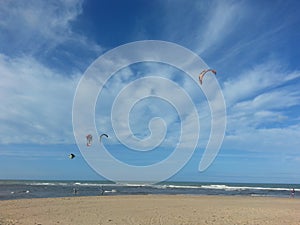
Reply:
x=151, y=209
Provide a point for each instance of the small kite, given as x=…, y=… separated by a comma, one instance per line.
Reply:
x=102, y=136
x=71, y=156
x=201, y=75
x=89, y=140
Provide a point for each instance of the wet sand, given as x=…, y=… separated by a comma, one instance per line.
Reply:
x=151, y=209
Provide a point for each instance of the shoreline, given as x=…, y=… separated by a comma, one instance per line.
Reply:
x=151, y=209
x=50, y=189
x=133, y=195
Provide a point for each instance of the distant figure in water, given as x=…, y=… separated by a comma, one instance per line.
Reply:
x=75, y=191
x=293, y=193
x=102, y=190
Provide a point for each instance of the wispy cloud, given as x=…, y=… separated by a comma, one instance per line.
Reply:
x=36, y=24
x=45, y=31
x=259, y=109
x=220, y=21
x=200, y=25
x=149, y=97
x=36, y=102
x=40, y=67
x=253, y=82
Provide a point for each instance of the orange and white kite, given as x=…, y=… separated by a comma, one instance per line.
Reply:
x=201, y=75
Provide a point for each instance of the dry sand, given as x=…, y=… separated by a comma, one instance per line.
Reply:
x=151, y=209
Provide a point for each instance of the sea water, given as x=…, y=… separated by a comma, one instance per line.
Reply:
x=17, y=189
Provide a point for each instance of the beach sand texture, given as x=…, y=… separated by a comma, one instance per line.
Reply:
x=151, y=209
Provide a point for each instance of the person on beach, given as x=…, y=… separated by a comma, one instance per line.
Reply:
x=102, y=190
x=75, y=191
x=293, y=193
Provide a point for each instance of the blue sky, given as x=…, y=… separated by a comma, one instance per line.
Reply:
x=45, y=47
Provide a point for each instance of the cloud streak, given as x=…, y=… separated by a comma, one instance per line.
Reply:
x=260, y=102
x=221, y=20
x=44, y=31
x=36, y=24
x=37, y=102
x=40, y=67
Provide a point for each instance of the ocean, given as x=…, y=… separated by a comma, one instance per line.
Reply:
x=17, y=189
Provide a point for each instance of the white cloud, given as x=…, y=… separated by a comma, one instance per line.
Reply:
x=221, y=19
x=147, y=108
x=36, y=102
x=36, y=98
x=280, y=140
x=261, y=78
x=38, y=22
x=200, y=25
x=259, y=102
x=30, y=27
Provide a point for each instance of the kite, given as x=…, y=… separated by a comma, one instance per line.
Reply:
x=201, y=75
x=89, y=140
x=102, y=136
x=71, y=156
